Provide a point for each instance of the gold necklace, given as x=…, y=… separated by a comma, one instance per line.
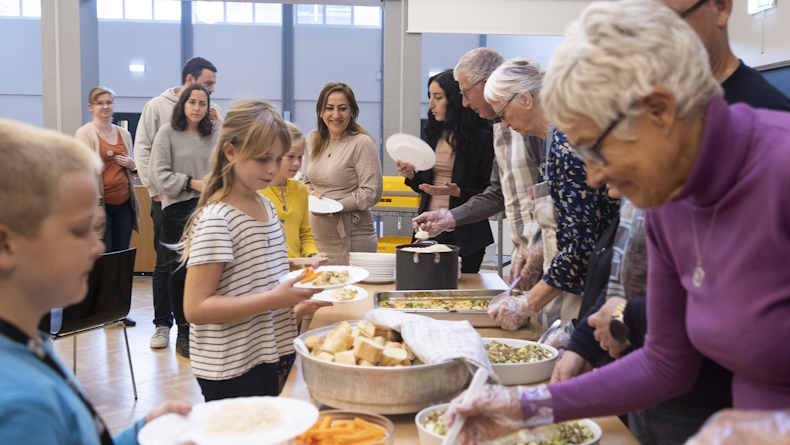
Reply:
x=699, y=273
x=104, y=135
x=283, y=193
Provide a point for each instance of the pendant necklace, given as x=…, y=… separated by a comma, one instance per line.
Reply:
x=101, y=133
x=283, y=194
x=699, y=273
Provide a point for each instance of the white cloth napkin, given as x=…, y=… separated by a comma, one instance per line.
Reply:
x=436, y=341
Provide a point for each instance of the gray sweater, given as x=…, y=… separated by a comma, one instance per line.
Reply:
x=176, y=155
x=156, y=113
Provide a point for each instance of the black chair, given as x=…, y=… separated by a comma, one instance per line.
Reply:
x=107, y=303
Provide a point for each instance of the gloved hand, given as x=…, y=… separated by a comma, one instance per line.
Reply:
x=560, y=338
x=734, y=427
x=528, y=265
x=570, y=365
x=498, y=410
x=434, y=222
x=510, y=312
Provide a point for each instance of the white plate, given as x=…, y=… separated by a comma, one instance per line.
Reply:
x=323, y=205
x=407, y=148
x=307, y=261
x=357, y=274
x=297, y=415
x=327, y=295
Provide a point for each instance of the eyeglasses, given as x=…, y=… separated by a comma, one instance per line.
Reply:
x=500, y=113
x=589, y=152
x=693, y=8
x=103, y=104
x=466, y=91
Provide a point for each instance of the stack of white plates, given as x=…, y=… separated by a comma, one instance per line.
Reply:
x=380, y=265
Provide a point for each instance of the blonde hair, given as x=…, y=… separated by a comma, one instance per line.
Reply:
x=251, y=127
x=295, y=132
x=320, y=139
x=98, y=91
x=34, y=162
x=615, y=54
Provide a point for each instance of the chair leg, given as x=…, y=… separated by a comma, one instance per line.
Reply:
x=74, y=365
x=129, y=356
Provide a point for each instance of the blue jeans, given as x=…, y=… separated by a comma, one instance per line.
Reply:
x=118, y=233
x=162, y=314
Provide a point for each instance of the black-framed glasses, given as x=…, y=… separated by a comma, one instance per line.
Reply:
x=464, y=92
x=693, y=8
x=500, y=114
x=589, y=152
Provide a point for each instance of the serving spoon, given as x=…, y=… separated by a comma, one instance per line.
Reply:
x=551, y=329
x=478, y=381
x=505, y=293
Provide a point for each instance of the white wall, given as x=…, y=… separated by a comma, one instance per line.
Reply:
x=761, y=39
x=20, y=78
x=324, y=54
x=441, y=52
x=248, y=60
x=539, y=48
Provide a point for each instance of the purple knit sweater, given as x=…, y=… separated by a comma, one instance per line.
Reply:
x=740, y=317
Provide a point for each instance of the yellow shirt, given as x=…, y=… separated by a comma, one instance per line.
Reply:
x=295, y=217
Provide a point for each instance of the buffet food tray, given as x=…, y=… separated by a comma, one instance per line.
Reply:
x=478, y=318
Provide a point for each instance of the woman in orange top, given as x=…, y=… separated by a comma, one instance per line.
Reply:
x=120, y=212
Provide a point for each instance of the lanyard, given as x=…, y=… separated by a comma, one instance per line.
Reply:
x=13, y=333
x=547, y=150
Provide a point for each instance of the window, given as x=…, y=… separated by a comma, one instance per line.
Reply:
x=10, y=8
x=369, y=16
x=31, y=8
x=210, y=12
x=238, y=12
x=164, y=10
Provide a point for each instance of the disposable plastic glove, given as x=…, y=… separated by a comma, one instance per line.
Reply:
x=734, y=427
x=499, y=410
x=511, y=313
x=434, y=222
x=529, y=265
x=561, y=338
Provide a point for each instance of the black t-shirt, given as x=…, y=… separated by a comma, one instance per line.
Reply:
x=746, y=85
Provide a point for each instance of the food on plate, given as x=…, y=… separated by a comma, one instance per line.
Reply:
x=359, y=346
x=242, y=417
x=309, y=275
x=499, y=353
x=447, y=305
x=356, y=432
x=344, y=294
x=565, y=433
x=332, y=277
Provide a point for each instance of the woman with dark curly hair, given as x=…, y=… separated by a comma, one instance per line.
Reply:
x=463, y=143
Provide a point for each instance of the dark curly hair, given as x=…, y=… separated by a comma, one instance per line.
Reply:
x=460, y=123
x=179, y=118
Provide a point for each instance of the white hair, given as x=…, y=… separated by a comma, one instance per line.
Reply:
x=615, y=54
x=477, y=64
x=515, y=76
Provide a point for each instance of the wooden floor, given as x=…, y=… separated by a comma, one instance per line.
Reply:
x=103, y=369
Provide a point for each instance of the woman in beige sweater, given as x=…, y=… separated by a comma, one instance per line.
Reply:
x=120, y=211
x=344, y=166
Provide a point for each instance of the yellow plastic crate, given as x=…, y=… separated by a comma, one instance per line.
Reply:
x=399, y=201
x=388, y=244
x=396, y=186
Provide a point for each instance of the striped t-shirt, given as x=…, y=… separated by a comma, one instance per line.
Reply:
x=255, y=256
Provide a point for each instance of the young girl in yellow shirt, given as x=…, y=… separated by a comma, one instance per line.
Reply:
x=289, y=196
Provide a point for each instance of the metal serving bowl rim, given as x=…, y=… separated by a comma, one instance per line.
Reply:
x=357, y=367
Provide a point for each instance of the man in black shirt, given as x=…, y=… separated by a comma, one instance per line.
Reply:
x=674, y=421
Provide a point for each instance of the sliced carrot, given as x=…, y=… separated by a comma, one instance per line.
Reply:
x=326, y=423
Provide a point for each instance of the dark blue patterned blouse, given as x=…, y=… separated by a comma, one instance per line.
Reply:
x=583, y=215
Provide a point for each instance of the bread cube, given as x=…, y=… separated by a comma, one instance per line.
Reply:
x=312, y=342
x=366, y=329
x=325, y=356
x=333, y=345
x=361, y=362
x=368, y=350
x=392, y=344
x=405, y=362
x=392, y=356
x=380, y=341
x=346, y=358
x=411, y=355
x=342, y=327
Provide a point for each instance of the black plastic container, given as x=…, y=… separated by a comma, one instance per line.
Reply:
x=426, y=271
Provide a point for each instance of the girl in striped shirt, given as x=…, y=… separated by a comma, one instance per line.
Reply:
x=242, y=322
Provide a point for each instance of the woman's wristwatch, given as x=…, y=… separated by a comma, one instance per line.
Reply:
x=188, y=184
x=617, y=326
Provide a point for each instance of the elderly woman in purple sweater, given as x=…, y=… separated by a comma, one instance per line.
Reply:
x=632, y=88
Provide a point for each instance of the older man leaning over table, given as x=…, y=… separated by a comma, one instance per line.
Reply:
x=714, y=180
x=516, y=167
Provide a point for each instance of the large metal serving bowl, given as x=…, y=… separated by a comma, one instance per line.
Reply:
x=380, y=390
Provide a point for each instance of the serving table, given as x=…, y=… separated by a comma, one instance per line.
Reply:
x=614, y=432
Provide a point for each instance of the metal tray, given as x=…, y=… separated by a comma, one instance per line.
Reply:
x=478, y=319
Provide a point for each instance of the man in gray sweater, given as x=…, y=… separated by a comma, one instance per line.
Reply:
x=156, y=113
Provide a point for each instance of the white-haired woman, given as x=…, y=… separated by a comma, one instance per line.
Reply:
x=632, y=87
x=572, y=214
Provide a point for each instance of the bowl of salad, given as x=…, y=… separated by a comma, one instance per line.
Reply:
x=431, y=429
x=520, y=362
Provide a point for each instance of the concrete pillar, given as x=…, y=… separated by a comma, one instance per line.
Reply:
x=70, y=61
